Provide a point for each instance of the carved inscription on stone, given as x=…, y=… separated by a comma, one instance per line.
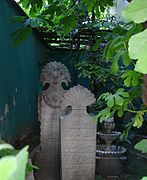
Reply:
x=48, y=159
x=78, y=136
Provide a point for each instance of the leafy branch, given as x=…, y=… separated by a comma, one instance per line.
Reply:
x=127, y=47
x=117, y=104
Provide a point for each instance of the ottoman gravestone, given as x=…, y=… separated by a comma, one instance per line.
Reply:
x=48, y=159
x=78, y=136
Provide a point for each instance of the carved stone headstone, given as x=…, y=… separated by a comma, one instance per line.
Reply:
x=78, y=136
x=48, y=159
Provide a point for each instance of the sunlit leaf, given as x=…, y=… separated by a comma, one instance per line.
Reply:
x=125, y=58
x=120, y=113
x=144, y=178
x=136, y=11
x=142, y=146
x=8, y=166
x=110, y=102
x=131, y=78
x=119, y=100
x=22, y=158
x=5, y=146
x=137, y=50
x=138, y=120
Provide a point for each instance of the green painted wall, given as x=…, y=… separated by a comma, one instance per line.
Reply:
x=19, y=79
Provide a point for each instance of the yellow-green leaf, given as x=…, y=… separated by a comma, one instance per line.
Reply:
x=138, y=50
x=8, y=166
x=136, y=11
x=142, y=146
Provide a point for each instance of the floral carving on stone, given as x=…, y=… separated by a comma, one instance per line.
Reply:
x=53, y=75
x=78, y=97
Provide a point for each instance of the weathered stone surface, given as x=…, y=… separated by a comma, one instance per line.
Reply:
x=78, y=136
x=54, y=73
x=48, y=160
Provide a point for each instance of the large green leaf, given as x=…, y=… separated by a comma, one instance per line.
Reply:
x=141, y=65
x=119, y=100
x=138, y=120
x=144, y=178
x=22, y=158
x=5, y=146
x=110, y=102
x=13, y=167
x=142, y=146
x=125, y=58
x=8, y=166
x=136, y=11
x=138, y=50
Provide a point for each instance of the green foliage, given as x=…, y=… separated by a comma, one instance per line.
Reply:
x=138, y=119
x=124, y=135
x=6, y=146
x=115, y=99
x=21, y=34
x=69, y=23
x=137, y=50
x=62, y=7
x=21, y=158
x=33, y=5
x=19, y=162
x=116, y=51
x=98, y=73
x=8, y=166
x=96, y=5
x=116, y=103
x=144, y=178
x=136, y=11
x=30, y=167
x=17, y=19
x=142, y=146
x=127, y=45
x=33, y=22
x=13, y=166
x=95, y=71
x=62, y=16
x=131, y=78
